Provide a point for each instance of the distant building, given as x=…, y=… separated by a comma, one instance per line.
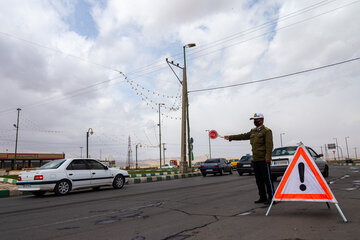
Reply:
x=27, y=160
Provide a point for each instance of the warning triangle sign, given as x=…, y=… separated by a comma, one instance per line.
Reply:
x=303, y=181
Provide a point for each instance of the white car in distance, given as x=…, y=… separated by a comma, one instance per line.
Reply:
x=63, y=175
x=168, y=166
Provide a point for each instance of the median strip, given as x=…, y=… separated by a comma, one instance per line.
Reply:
x=143, y=178
x=161, y=178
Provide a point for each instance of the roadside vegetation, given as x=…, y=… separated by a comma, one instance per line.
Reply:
x=10, y=176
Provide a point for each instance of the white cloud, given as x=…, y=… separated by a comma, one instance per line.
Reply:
x=133, y=35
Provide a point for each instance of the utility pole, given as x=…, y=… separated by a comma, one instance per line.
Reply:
x=164, y=151
x=281, y=138
x=160, y=131
x=209, y=143
x=184, y=113
x=355, y=153
x=347, y=149
x=89, y=131
x=129, y=157
x=17, y=135
x=337, y=148
x=136, y=158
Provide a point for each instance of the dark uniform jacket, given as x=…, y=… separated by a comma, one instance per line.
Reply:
x=261, y=141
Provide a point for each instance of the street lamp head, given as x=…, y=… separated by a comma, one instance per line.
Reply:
x=90, y=131
x=190, y=45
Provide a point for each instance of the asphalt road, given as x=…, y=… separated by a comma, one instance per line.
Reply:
x=214, y=207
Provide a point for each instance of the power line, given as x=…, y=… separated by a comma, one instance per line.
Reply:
x=277, y=77
x=194, y=54
x=158, y=68
x=235, y=35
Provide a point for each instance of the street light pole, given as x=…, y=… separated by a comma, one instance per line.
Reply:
x=347, y=149
x=209, y=143
x=186, y=103
x=337, y=148
x=17, y=135
x=160, y=131
x=87, y=141
x=281, y=138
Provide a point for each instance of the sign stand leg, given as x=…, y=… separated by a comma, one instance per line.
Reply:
x=341, y=213
x=272, y=201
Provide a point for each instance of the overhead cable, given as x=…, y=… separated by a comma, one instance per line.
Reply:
x=274, y=78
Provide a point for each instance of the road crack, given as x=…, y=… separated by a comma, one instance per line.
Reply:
x=181, y=235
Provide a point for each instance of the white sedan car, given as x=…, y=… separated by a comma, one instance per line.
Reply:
x=64, y=175
x=168, y=166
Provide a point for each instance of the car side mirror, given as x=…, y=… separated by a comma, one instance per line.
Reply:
x=321, y=155
x=106, y=168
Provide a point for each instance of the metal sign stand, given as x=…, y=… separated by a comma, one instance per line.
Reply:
x=337, y=207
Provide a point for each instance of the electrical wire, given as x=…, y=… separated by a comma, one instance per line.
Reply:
x=192, y=55
x=277, y=77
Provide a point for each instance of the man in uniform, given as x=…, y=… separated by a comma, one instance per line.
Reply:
x=261, y=141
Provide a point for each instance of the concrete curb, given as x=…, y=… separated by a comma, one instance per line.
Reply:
x=162, y=178
x=347, y=164
x=152, y=174
x=12, y=193
x=132, y=180
x=8, y=180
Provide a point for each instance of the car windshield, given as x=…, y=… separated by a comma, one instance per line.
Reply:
x=283, y=151
x=53, y=164
x=212, y=161
x=246, y=158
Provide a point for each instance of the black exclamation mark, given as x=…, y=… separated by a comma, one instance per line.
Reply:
x=301, y=167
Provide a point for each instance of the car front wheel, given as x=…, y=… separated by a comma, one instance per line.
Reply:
x=326, y=172
x=118, y=182
x=63, y=187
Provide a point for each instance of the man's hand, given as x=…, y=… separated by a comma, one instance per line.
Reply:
x=268, y=160
x=226, y=137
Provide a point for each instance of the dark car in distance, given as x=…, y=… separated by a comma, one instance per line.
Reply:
x=245, y=165
x=214, y=166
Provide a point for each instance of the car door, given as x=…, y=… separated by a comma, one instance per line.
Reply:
x=100, y=174
x=225, y=165
x=319, y=162
x=79, y=173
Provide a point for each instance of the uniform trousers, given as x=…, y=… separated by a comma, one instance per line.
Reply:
x=263, y=178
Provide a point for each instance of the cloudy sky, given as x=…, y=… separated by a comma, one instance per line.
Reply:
x=64, y=64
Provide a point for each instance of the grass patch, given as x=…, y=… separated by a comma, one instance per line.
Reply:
x=10, y=176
